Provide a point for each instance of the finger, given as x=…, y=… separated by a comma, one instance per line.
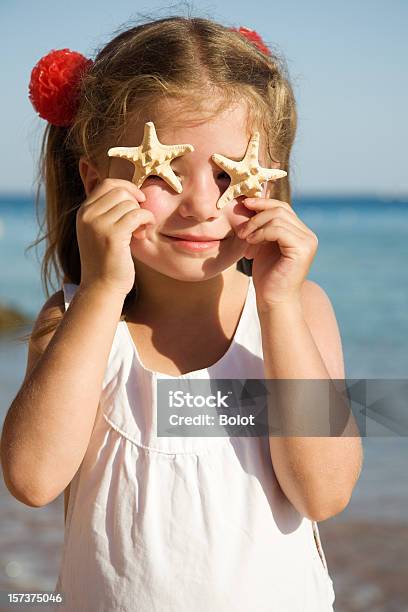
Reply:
x=138, y=193
x=109, y=202
x=140, y=232
x=109, y=184
x=136, y=218
x=269, y=204
x=276, y=214
x=260, y=204
x=269, y=232
x=116, y=212
x=266, y=203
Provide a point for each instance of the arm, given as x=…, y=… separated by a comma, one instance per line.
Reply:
x=49, y=423
x=301, y=341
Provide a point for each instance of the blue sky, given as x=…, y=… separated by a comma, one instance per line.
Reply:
x=347, y=62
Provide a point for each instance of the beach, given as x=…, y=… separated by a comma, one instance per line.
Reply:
x=368, y=563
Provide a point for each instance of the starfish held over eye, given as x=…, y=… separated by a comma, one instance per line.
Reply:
x=247, y=176
x=152, y=157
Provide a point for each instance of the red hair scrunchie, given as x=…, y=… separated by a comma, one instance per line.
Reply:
x=253, y=37
x=55, y=84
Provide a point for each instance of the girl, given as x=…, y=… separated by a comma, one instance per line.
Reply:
x=220, y=524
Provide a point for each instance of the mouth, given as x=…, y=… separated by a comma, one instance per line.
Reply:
x=194, y=243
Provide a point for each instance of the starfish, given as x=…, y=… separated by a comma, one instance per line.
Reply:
x=247, y=176
x=152, y=157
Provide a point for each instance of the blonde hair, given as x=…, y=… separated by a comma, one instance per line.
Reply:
x=176, y=57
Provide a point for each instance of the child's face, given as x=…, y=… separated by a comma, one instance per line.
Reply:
x=194, y=210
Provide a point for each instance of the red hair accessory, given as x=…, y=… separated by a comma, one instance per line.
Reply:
x=54, y=85
x=253, y=37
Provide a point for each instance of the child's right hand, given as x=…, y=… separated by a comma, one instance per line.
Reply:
x=105, y=223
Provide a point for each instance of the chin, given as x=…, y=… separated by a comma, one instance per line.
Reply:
x=191, y=276
x=191, y=272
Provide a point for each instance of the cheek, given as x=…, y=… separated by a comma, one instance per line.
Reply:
x=238, y=214
x=157, y=203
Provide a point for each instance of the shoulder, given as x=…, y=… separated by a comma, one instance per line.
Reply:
x=321, y=320
x=314, y=297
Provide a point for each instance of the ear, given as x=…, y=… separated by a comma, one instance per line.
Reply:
x=89, y=175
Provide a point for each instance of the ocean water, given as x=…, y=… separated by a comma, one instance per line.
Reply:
x=362, y=264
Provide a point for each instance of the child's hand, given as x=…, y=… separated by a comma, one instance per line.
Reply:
x=282, y=248
x=105, y=223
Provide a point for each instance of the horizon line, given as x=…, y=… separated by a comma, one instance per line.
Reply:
x=304, y=194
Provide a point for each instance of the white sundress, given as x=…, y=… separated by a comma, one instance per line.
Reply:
x=183, y=524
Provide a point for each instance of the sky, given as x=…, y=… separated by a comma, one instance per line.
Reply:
x=346, y=60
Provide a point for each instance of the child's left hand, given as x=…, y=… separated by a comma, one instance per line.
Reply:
x=282, y=248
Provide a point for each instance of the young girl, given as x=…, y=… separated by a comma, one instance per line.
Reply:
x=175, y=524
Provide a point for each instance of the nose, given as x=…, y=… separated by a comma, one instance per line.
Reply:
x=200, y=195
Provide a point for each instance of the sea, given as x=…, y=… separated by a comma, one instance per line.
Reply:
x=361, y=263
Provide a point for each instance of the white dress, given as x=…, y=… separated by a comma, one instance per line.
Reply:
x=183, y=524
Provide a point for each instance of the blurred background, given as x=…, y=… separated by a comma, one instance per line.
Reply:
x=347, y=63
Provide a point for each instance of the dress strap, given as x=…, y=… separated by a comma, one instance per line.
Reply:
x=69, y=290
x=318, y=543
